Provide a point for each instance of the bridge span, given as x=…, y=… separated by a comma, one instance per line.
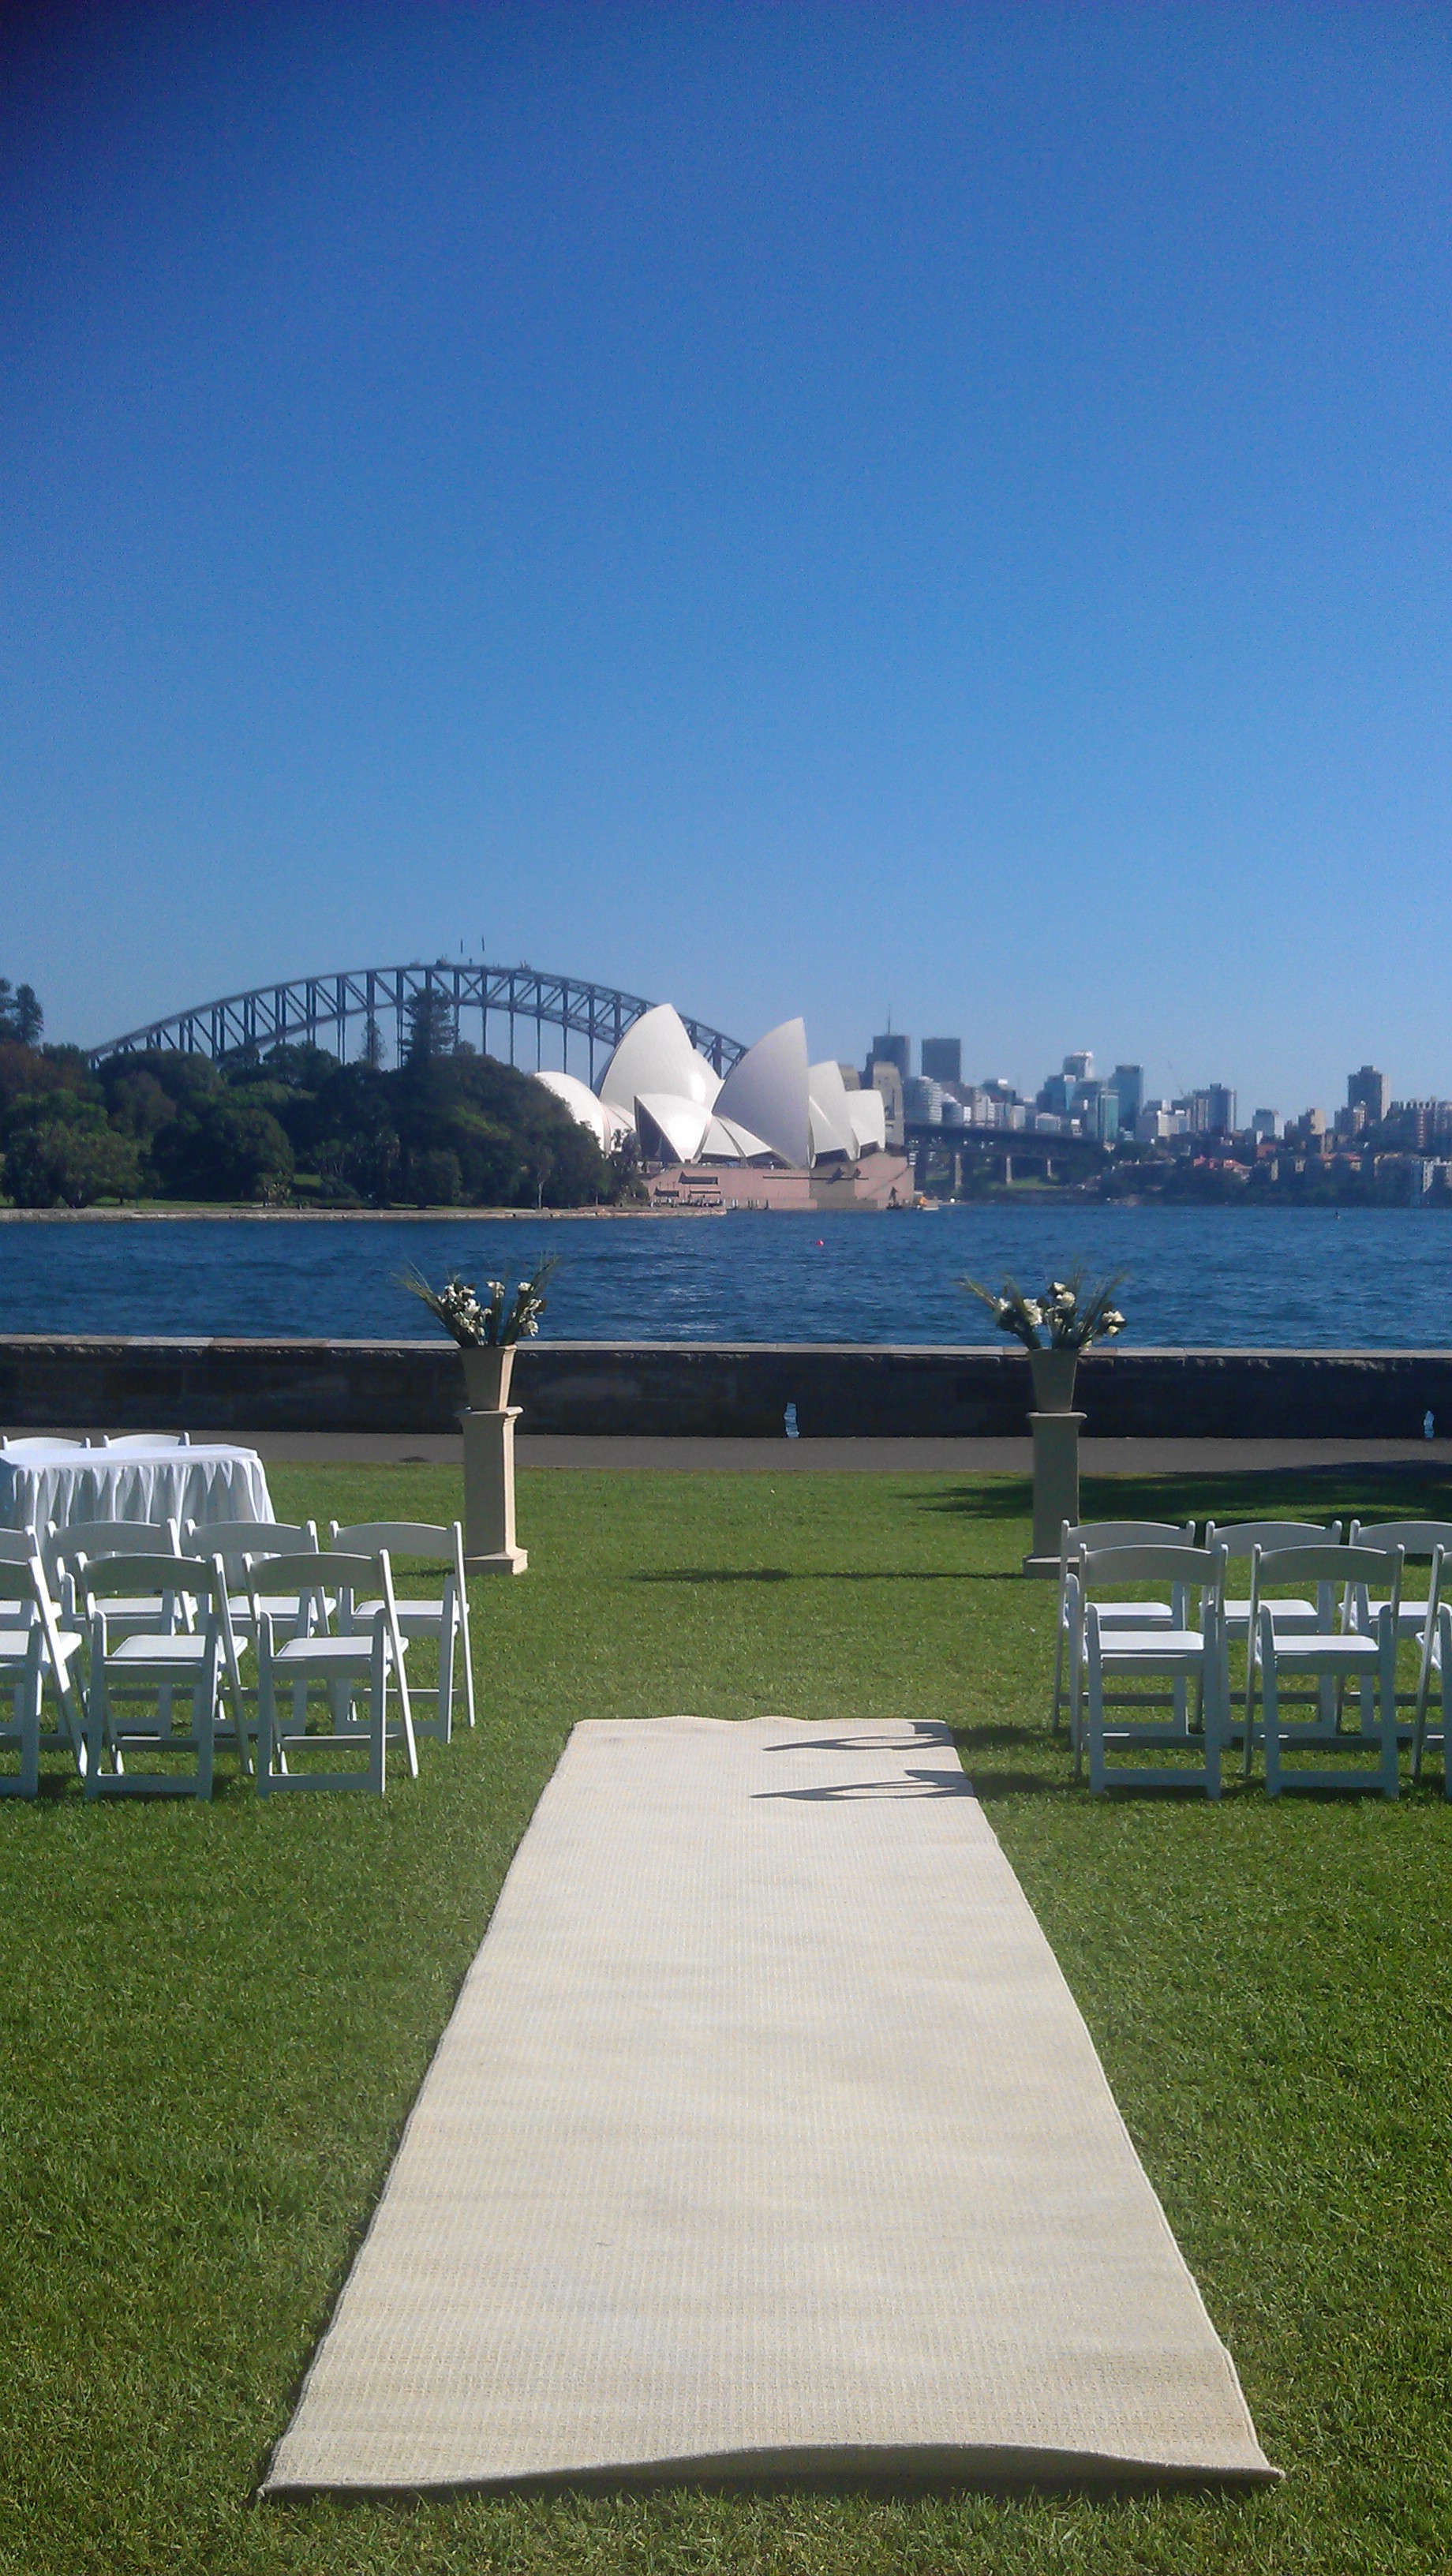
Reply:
x=316, y=1010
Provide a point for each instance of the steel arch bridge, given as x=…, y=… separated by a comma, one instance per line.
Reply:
x=250, y=1024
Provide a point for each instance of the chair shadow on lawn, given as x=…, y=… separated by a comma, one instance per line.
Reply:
x=1265, y=1493
x=814, y=1574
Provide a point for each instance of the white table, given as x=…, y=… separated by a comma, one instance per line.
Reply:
x=212, y=1483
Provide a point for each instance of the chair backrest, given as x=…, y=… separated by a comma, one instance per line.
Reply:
x=147, y=1440
x=1075, y=1537
x=38, y=1448
x=1414, y=1538
x=193, y=1577
x=234, y=1541
x=1295, y=1566
x=401, y=1538
x=1242, y=1538
x=323, y=1570
x=17, y=1547
x=1109, y=1567
x=314, y=1574
x=98, y=1539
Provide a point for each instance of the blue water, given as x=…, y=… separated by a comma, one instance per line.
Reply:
x=1306, y=1278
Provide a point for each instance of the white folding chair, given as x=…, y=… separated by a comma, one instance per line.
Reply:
x=153, y=1668
x=240, y=1545
x=1436, y=1665
x=36, y=1654
x=1417, y=1540
x=1240, y=1539
x=39, y=1447
x=445, y=1619
x=1189, y=1651
x=1333, y=1656
x=1074, y=1538
x=100, y=1541
x=141, y=1440
x=345, y=1661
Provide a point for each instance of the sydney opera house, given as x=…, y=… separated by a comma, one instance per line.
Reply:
x=777, y=1130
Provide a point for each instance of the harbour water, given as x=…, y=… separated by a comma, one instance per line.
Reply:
x=1279, y=1278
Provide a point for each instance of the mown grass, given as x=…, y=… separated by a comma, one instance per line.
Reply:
x=215, y=2020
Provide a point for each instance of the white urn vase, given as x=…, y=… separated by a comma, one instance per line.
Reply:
x=487, y=1368
x=1053, y=1374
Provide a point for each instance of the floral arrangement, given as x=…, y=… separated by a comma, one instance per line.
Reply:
x=1065, y=1316
x=475, y=1324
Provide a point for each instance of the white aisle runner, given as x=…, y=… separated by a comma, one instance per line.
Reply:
x=766, y=2138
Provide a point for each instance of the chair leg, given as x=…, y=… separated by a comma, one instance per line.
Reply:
x=1387, y=1675
x=1270, y=1701
x=1057, y=1710
x=468, y=1654
x=266, y=1727
x=378, y=1741
x=1097, y=1778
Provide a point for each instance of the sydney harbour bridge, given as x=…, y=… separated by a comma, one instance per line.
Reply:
x=316, y=1010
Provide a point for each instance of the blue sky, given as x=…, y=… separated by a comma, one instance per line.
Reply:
x=834, y=508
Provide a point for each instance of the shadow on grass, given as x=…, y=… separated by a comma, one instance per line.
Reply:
x=981, y=1748
x=1289, y=1493
x=819, y=1574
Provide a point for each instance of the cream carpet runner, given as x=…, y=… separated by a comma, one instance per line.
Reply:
x=766, y=2141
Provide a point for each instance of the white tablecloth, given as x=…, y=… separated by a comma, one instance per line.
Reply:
x=213, y=1483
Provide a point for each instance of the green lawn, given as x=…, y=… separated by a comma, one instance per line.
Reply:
x=215, y=2021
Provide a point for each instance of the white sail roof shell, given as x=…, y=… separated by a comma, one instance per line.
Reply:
x=832, y=1131
x=867, y=1111
x=738, y=1141
x=767, y=1092
x=656, y=1058
x=682, y=1123
x=604, y=1123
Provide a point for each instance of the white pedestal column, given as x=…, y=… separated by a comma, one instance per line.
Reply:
x=489, y=1546
x=1056, y=1485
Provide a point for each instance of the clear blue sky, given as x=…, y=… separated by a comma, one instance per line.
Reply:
x=779, y=507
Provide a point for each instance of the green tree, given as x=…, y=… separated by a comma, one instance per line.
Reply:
x=67, y=1155
x=21, y=1016
x=222, y=1148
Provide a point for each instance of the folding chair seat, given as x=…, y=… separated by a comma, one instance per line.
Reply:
x=357, y=1658
x=1189, y=1653
x=1073, y=1540
x=196, y=1663
x=1333, y=1656
x=444, y=1617
x=37, y=1653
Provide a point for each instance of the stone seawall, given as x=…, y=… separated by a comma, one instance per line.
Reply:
x=721, y=1390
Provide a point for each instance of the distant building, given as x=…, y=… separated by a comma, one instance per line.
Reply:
x=1060, y=1094
x=1265, y=1126
x=1220, y=1103
x=892, y=1049
x=1127, y=1084
x=1369, y=1090
x=921, y=1098
x=1080, y=1067
x=885, y=1078
x=942, y=1059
